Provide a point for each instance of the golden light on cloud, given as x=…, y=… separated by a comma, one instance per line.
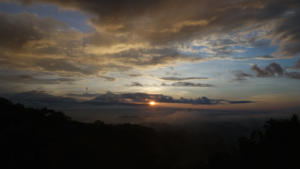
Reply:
x=152, y=103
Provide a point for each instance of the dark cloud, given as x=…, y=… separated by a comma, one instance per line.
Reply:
x=287, y=33
x=41, y=99
x=34, y=80
x=31, y=42
x=17, y=31
x=108, y=78
x=27, y=78
x=182, y=78
x=82, y=95
x=297, y=64
x=110, y=98
x=165, y=21
x=25, y=35
x=136, y=84
x=201, y=100
x=240, y=102
x=273, y=69
x=265, y=57
x=176, y=84
x=240, y=75
x=151, y=57
x=293, y=75
x=188, y=84
x=107, y=101
x=65, y=65
x=135, y=75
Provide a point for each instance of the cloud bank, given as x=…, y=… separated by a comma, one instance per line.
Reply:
x=147, y=33
x=271, y=70
x=110, y=98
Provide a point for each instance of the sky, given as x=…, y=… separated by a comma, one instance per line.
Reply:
x=241, y=54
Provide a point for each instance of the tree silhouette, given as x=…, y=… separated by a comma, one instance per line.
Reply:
x=276, y=147
x=44, y=138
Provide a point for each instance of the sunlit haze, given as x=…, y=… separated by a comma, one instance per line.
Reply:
x=152, y=103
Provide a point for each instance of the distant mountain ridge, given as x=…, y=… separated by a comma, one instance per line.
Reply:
x=44, y=99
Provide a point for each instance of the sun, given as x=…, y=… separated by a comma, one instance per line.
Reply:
x=152, y=103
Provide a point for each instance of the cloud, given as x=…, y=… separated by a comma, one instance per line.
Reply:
x=142, y=34
x=165, y=22
x=293, y=75
x=113, y=98
x=176, y=84
x=135, y=75
x=200, y=100
x=151, y=57
x=108, y=78
x=287, y=33
x=271, y=70
x=274, y=70
x=43, y=44
x=27, y=36
x=34, y=80
x=19, y=31
x=188, y=84
x=41, y=99
x=182, y=78
x=20, y=77
x=108, y=101
x=33, y=43
x=240, y=102
x=65, y=66
x=136, y=84
x=297, y=64
x=240, y=75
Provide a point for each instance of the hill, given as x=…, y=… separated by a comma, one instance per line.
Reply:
x=48, y=139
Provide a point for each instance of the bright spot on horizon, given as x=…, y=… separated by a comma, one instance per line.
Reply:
x=152, y=103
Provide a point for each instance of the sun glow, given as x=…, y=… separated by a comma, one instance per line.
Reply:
x=152, y=103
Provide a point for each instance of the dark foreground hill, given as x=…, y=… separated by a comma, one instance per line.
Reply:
x=47, y=139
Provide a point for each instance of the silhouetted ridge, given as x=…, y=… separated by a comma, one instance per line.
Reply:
x=43, y=138
x=277, y=146
x=48, y=139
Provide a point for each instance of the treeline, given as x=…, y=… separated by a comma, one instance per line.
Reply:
x=47, y=139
